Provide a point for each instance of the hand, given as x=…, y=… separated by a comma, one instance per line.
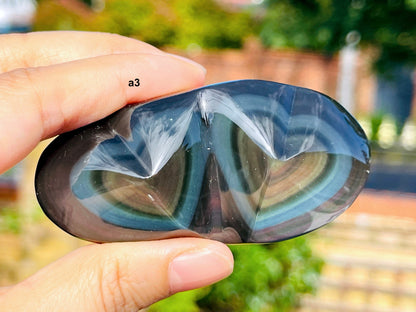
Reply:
x=52, y=82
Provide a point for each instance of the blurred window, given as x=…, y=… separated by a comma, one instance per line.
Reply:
x=16, y=15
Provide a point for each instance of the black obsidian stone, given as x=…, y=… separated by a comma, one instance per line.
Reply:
x=241, y=162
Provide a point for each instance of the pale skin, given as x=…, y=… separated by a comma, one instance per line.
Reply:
x=53, y=82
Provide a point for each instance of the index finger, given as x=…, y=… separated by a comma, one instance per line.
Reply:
x=53, y=47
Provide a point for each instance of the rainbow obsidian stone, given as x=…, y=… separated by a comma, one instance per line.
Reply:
x=245, y=161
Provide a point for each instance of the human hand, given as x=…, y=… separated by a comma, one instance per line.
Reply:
x=53, y=82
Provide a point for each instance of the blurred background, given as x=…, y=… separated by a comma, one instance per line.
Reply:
x=360, y=52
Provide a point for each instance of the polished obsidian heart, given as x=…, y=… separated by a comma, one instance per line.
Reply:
x=241, y=161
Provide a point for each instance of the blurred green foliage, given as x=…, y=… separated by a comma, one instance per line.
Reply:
x=266, y=278
x=9, y=220
x=375, y=123
x=317, y=25
x=323, y=25
x=178, y=23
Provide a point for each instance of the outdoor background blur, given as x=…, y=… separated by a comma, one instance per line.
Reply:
x=360, y=52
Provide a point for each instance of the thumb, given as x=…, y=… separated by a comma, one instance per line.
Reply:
x=120, y=276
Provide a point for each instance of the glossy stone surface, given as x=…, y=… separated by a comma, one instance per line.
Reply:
x=241, y=161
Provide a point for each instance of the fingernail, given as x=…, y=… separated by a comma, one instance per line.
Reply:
x=189, y=61
x=200, y=268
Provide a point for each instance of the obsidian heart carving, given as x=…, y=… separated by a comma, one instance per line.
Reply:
x=241, y=161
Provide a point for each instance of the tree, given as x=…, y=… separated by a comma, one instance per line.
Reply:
x=322, y=25
x=178, y=23
x=387, y=26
